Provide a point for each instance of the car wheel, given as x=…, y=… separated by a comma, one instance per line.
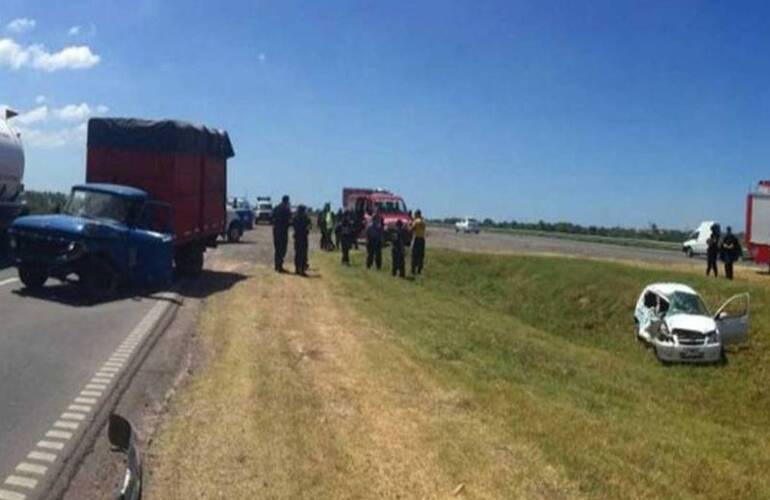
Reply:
x=234, y=233
x=32, y=277
x=688, y=252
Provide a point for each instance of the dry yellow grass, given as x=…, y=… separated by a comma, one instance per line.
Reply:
x=303, y=398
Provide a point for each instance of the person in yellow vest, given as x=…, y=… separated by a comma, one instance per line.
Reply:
x=418, y=243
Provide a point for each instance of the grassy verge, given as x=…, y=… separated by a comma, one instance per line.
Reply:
x=543, y=347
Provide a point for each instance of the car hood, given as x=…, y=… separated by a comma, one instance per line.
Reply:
x=67, y=225
x=703, y=324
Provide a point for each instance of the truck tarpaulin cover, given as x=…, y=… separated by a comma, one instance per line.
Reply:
x=167, y=136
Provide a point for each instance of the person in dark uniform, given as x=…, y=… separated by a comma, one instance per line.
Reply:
x=712, y=251
x=346, y=235
x=301, y=225
x=375, y=236
x=281, y=222
x=418, y=243
x=397, y=250
x=731, y=251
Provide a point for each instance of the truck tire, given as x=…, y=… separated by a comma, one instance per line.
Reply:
x=32, y=277
x=190, y=263
x=234, y=233
x=99, y=278
x=688, y=252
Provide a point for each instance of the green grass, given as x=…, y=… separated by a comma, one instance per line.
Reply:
x=546, y=346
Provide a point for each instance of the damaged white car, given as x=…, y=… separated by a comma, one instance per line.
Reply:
x=673, y=319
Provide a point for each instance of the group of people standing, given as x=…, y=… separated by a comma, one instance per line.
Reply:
x=341, y=231
x=726, y=247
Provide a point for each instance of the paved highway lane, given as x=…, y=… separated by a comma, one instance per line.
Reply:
x=501, y=242
x=50, y=347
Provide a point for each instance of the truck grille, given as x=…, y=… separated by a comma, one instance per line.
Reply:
x=36, y=246
x=689, y=337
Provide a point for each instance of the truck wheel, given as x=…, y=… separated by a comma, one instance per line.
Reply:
x=688, y=252
x=99, y=278
x=234, y=233
x=190, y=263
x=32, y=277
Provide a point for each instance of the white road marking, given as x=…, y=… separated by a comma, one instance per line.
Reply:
x=104, y=374
x=94, y=394
x=96, y=387
x=11, y=495
x=113, y=364
x=86, y=401
x=31, y=468
x=50, y=445
x=8, y=281
x=99, y=380
x=73, y=416
x=24, y=482
x=62, y=424
x=42, y=456
x=110, y=369
x=58, y=434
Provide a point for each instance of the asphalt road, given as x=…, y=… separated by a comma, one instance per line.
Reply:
x=50, y=347
x=500, y=242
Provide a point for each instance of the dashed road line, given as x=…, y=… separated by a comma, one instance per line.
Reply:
x=42, y=456
x=63, y=429
x=31, y=468
x=24, y=482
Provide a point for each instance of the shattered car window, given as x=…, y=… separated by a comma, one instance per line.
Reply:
x=687, y=303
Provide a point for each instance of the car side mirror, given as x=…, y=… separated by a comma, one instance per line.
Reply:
x=722, y=315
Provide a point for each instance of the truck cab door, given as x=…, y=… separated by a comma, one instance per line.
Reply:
x=732, y=319
x=151, y=246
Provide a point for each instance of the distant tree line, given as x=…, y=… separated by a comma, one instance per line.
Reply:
x=653, y=232
x=43, y=202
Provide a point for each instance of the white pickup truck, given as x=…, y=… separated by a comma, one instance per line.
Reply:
x=467, y=225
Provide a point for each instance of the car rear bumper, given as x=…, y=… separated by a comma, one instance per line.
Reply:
x=709, y=353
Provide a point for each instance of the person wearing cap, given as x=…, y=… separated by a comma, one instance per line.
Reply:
x=301, y=224
x=418, y=243
x=281, y=223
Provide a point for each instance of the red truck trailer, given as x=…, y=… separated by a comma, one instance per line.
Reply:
x=179, y=163
x=758, y=223
x=366, y=202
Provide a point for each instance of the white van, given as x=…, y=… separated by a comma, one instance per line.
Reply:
x=696, y=245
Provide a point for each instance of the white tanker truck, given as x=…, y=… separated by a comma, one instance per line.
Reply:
x=11, y=172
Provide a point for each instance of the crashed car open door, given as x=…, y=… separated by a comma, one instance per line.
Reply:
x=732, y=319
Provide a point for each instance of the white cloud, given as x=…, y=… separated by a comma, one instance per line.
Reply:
x=54, y=138
x=74, y=31
x=16, y=56
x=21, y=25
x=39, y=114
x=73, y=112
x=40, y=99
x=101, y=109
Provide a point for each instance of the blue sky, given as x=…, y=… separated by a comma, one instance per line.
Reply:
x=600, y=112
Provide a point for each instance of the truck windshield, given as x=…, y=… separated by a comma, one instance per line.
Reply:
x=391, y=207
x=97, y=205
x=687, y=303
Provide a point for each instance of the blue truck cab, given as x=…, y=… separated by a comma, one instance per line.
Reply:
x=106, y=235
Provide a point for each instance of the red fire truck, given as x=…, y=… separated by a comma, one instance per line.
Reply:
x=758, y=223
x=366, y=202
